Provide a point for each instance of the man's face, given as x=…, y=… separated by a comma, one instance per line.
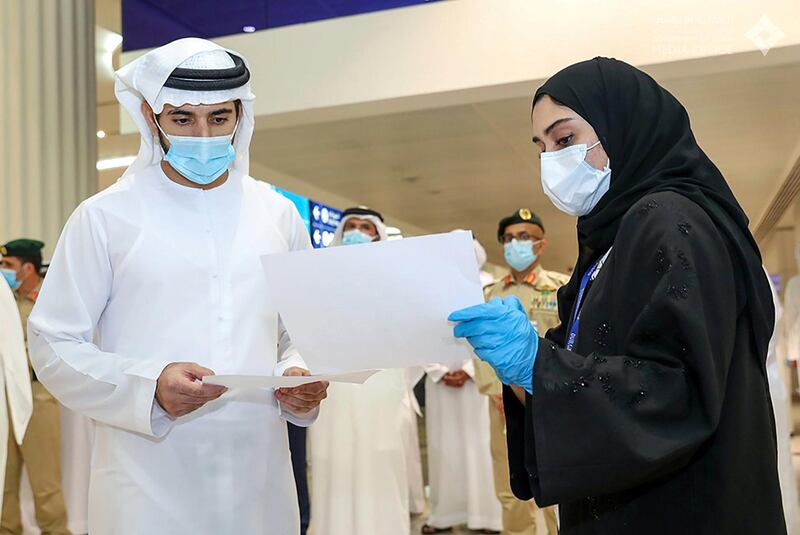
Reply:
x=526, y=232
x=364, y=225
x=201, y=120
x=23, y=270
x=522, y=232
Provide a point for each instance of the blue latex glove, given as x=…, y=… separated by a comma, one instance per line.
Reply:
x=502, y=335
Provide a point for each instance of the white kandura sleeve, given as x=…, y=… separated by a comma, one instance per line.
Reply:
x=435, y=371
x=114, y=389
x=288, y=356
x=469, y=367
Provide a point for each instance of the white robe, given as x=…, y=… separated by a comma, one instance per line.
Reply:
x=459, y=455
x=15, y=379
x=165, y=273
x=782, y=407
x=358, y=459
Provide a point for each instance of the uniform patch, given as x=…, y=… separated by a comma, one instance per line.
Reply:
x=545, y=300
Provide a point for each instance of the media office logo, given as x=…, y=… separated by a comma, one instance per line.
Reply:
x=765, y=34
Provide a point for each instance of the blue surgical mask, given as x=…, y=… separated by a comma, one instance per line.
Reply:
x=200, y=159
x=519, y=254
x=574, y=186
x=11, y=278
x=354, y=237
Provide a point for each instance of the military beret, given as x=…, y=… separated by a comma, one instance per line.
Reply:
x=22, y=248
x=523, y=215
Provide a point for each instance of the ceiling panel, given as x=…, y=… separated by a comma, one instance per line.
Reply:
x=151, y=23
x=467, y=166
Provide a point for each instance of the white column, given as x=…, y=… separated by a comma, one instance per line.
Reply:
x=48, y=132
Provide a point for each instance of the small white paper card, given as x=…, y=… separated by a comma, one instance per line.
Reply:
x=271, y=381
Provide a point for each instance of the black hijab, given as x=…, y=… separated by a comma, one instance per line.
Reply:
x=646, y=133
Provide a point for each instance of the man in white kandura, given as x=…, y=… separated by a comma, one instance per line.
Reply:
x=459, y=455
x=156, y=282
x=359, y=473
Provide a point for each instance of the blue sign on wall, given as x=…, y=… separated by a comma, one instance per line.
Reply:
x=324, y=220
x=303, y=205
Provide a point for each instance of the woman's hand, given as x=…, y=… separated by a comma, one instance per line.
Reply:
x=502, y=335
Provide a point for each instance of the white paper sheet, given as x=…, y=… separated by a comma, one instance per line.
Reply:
x=271, y=381
x=376, y=305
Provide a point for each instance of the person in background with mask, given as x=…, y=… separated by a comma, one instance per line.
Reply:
x=15, y=379
x=163, y=267
x=359, y=225
x=458, y=444
x=40, y=450
x=647, y=410
x=360, y=480
x=522, y=236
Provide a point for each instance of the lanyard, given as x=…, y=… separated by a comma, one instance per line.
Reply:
x=588, y=277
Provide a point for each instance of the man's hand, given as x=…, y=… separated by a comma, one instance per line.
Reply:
x=302, y=399
x=179, y=393
x=456, y=379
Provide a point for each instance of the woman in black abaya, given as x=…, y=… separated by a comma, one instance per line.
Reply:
x=647, y=410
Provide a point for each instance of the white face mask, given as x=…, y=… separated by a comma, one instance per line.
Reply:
x=574, y=186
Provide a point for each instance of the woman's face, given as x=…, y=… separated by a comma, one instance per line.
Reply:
x=556, y=127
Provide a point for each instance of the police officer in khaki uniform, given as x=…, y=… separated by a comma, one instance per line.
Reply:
x=41, y=449
x=522, y=236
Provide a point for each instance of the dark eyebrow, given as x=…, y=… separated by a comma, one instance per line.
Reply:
x=552, y=126
x=178, y=111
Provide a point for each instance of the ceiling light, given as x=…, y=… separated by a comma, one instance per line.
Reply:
x=113, y=163
x=101, y=134
x=248, y=29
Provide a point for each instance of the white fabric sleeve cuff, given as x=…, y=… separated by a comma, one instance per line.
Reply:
x=469, y=368
x=160, y=421
x=436, y=371
x=300, y=421
x=149, y=371
x=291, y=359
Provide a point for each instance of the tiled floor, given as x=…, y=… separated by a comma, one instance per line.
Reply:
x=419, y=521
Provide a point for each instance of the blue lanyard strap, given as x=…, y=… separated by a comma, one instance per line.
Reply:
x=590, y=275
